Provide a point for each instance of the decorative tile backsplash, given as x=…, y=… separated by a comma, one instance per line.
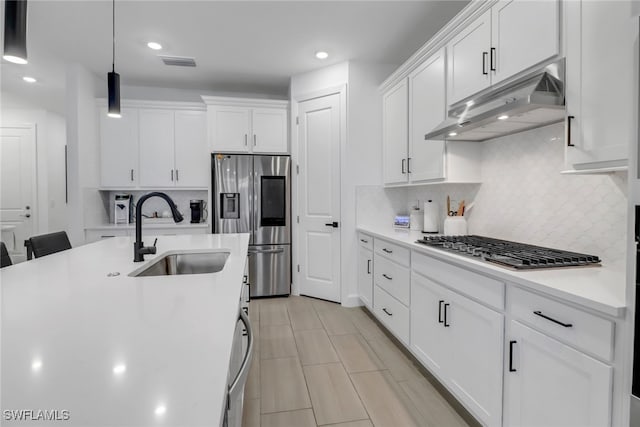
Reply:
x=524, y=197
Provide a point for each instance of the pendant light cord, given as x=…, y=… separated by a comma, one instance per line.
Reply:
x=113, y=27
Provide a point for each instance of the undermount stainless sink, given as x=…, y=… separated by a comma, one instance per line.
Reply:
x=184, y=263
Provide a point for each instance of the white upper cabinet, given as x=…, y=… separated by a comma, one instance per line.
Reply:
x=238, y=125
x=599, y=82
x=548, y=383
x=119, y=148
x=192, y=160
x=229, y=128
x=523, y=33
x=427, y=109
x=269, y=130
x=156, y=148
x=507, y=39
x=468, y=54
x=395, y=134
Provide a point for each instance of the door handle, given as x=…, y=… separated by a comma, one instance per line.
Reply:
x=242, y=374
x=333, y=224
x=266, y=251
x=177, y=176
x=245, y=139
x=26, y=215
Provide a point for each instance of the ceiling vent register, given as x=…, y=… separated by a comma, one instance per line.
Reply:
x=178, y=61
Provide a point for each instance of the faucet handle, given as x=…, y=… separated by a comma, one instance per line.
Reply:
x=154, y=242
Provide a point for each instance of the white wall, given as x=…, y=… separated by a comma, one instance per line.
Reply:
x=50, y=177
x=82, y=149
x=181, y=95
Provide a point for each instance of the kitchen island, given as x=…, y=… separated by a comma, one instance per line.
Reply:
x=81, y=337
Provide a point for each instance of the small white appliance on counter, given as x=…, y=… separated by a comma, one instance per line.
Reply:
x=122, y=209
x=431, y=217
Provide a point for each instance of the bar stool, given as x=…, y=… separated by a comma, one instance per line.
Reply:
x=47, y=244
x=5, y=259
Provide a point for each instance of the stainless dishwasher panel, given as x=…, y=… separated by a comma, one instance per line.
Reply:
x=269, y=270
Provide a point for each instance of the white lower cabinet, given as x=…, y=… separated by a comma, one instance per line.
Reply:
x=392, y=313
x=548, y=383
x=365, y=276
x=460, y=340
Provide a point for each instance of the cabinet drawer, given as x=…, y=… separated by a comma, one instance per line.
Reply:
x=393, y=278
x=488, y=290
x=365, y=241
x=392, y=313
x=571, y=325
x=394, y=252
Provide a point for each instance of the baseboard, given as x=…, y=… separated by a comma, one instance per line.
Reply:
x=352, y=300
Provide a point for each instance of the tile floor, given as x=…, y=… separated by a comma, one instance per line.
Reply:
x=317, y=363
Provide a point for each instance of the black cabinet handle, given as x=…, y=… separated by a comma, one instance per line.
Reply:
x=387, y=277
x=492, y=59
x=333, y=224
x=446, y=325
x=569, y=143
x=511, y=343
x=387, y=250
x=551, y=319
x=245, y=279
x=364, y=241
x=440, y=310
x=403, y=160
x=409, y=165
x=385, y=310
x=368, y=266
x=484, y=63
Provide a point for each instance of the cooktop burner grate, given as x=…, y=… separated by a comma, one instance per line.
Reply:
x=513, y=255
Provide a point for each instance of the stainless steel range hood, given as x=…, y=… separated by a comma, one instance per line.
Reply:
x=530, y=102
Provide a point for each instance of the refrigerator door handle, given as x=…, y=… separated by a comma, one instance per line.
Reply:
x=266, y=251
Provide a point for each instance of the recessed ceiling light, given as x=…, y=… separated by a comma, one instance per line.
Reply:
x=29, y=79
x=503, y=117
x=154, y=45
x=160, y=410
x=453, y=133
x=36, y=365
x=119, y=369
x=322, y=55
x=114, y=115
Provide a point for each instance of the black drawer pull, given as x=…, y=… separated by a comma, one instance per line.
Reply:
x=440, y=310
x=364, y=241
x=446, y=325
x=484, y=63
x=387, y=277
x=368, y=266
x=385, y=310
x=387, y=250
x=551, y=319
x=245, y=279
x=511, y=343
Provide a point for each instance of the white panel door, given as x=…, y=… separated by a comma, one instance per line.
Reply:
x=550, y=384
x=524, y=33
x=365, y=276
x=319, y=197
x=17, y=188
x=468, y=59
x=427, y=109
x=269, y=127
x=601, y=128
x=156, y=148
x=192, y=157
x=429, y=339
x=395, y=125
x=229, y=129
x=477, y=336
x=119, y=148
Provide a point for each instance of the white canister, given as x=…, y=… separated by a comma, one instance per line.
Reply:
x=455, y=226
x=431, y=217
x=415, y=219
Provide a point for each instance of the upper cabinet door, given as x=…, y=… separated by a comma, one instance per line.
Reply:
x=269, y=127
x=229, y=129
x=119, y=149
x=524, y=33
x=599, y=95
x=469, y=60
x=395, y=127
x=427, y=106
x=156, y=148
x=192, y=157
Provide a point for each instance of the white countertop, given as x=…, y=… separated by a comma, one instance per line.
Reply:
x=598, y=288
x=67, y=331
x=146, y=224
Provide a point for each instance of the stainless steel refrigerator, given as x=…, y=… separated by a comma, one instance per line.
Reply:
x=252, y=194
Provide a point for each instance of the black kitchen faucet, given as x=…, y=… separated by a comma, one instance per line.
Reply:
x=139, y=250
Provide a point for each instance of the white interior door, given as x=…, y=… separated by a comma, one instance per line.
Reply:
x=319, y=197
x=17, y=188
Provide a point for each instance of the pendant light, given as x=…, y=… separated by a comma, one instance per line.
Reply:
x=113, y=78
x=15, y=31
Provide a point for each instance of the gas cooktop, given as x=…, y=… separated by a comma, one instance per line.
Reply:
x=512, y=255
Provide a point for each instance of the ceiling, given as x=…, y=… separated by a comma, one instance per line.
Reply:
x=239, y=46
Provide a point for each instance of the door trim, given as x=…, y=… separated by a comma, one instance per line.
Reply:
x=340, y=90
